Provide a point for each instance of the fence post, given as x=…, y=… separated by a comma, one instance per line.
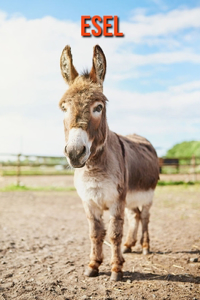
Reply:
x=177, y=167
x=1, y=169
x=160, y=161
x=18, y=169
x=194, y=168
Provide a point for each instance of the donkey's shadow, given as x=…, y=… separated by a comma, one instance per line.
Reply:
x=167, y=277
x=167, y=252
x=138, y=276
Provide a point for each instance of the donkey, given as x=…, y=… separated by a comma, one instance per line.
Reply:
x=111, y=171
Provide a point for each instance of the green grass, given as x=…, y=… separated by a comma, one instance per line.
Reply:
x=14, y=188
x=165, y=183
x=36, y=172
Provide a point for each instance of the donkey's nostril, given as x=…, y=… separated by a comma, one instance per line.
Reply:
x=80, y=152
x=84, y=150
x=65, y=150
x=75, y=154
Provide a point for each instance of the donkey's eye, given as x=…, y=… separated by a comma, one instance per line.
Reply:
x=98, y=108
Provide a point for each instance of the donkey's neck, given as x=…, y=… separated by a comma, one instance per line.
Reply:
x=99, y=159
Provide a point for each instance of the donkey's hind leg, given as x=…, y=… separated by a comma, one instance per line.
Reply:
x=145, y=232
x=97, y=234
x=133, y=216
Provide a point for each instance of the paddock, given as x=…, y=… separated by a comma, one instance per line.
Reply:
x=44, y=250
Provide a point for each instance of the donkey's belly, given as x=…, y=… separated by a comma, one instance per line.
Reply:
x=139, y=198
x=102, y=192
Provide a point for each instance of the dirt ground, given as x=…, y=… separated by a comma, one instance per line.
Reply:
x=44, y=249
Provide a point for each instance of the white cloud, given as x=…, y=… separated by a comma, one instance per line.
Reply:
x=186, y=87
x=126, y=61
x=177, y=103
x=31, y=135
x=161, y=24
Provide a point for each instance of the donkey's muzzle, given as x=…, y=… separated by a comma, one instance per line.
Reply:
x=76, y=155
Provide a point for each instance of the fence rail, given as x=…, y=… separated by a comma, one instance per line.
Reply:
x=19, y=164
x=181, y=165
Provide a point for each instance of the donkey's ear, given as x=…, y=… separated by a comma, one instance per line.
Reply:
x=98, y=71
x=68, y=70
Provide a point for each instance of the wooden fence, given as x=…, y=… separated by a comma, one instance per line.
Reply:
x=19, y=164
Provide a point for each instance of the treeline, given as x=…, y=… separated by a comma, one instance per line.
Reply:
x=184, y=149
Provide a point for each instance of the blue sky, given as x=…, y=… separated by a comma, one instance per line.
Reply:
x=73, y=10
x=152, y=80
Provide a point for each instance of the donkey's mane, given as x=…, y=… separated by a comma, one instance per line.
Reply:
x=83, y=91
x=85, y=73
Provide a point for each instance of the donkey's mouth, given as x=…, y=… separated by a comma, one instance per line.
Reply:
x=75, y=165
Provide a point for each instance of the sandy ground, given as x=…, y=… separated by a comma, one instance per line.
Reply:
x=44, y=248
x=39, y=181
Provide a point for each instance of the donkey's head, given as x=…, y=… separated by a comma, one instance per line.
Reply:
x=85, y=108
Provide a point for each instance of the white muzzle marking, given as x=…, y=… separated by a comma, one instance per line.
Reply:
x=76, y=140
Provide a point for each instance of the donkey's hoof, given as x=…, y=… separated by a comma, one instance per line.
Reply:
x=145, y=251
x=90, y=272
x=127, y=250
x=116, y=276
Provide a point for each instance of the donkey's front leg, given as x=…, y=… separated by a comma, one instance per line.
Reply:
x=97, y=234
x=115, y=232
